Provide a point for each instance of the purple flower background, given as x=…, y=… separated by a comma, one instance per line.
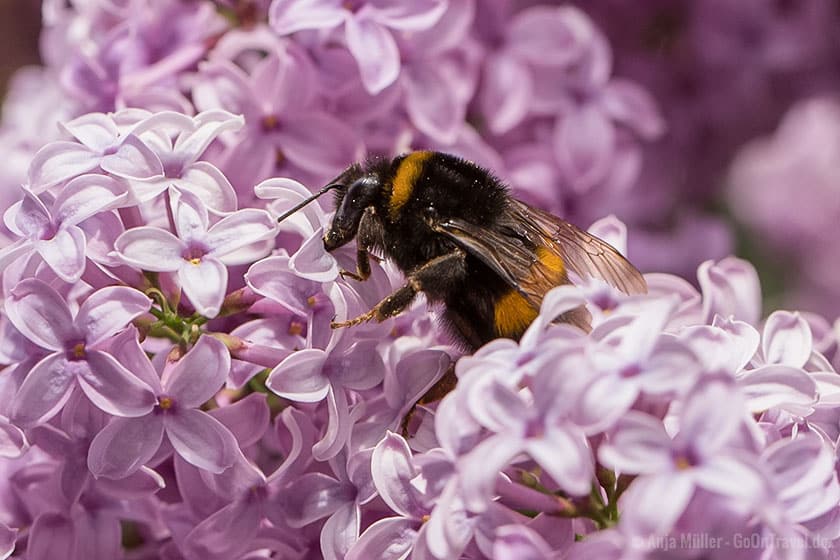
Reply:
x=171, y=387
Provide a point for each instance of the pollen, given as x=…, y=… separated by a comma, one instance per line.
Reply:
x=79, y=351
x=166, y=403
x=682, y=463
x=425, y=518
x=270, y=122
x=195, y=261
x=311, y=301
x=295, y=328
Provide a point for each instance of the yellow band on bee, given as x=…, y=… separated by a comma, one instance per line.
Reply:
x=407, y=175
x=513, y=314
x=551, y=260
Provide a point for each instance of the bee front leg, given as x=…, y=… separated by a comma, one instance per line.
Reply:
x=364, y=241
x=435, y=277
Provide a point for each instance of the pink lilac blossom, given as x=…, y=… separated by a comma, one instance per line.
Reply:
x=171, y=387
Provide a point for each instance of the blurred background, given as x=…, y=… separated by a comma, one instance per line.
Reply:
x=749, y=161
x=20, y=25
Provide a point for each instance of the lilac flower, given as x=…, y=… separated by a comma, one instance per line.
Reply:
x=74, y=340
x=393, y=472
x=529, y=421
x=768, y=175
x=200, y=253
x=368, y=28
x=230, y=505
x=126, y=444
x=100, y=145
x=680, y=412
x=703, y=454
x=70, y=444
x=179, y=157
x=313, y=375
x=281, y=122
x=338, y=498
x=56, y=236
x=7, y=541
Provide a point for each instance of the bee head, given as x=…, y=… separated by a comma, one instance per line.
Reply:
x=351, y=202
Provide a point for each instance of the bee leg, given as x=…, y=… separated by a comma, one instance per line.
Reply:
x=434, y=277
x=364, y=240
x=436, y=392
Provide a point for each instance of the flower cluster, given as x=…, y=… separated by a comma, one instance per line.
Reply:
x=723, y=73
x=792, y=175
x=172, y=387
x=529, y=91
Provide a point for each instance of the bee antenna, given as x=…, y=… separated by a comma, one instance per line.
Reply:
x=308, y=200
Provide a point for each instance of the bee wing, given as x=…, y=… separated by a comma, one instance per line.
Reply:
x=506, y=255
x=583, y=254
x=510, y=250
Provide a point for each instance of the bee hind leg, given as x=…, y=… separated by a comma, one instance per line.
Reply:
x=435, y=277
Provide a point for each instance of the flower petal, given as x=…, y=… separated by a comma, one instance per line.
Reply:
x=481, y=467
x=44, y=391
x=639, y=444
x=375, y=51
x=191, y=219
x=125, y=445
x=238, y=230
x=313, y=496
x=430, y=102
x=65, y=253
x=114, y=389
x=200, y=374
x=729, y=476
x=201, y=440
x=95, y=130
x=29, y=217
x=8, y=537
x=205, y=283
x=300, y=376
x=191, y=144
x=730, y=287
x=227, y=533
x=392, y=472
x=132, y=160
x=780, y=386
x=288, y=16
x=565, y=457
x=151, y=248
x=59, y=161
x=646, y=511
x=247, y=419
x=312, y=261
x=391, y=538
x=340, y=532
x=302, y=141
x=12, y=441
x=506, y=93
x=210, y=185
x=340, y=422
x=87, y=195
x=630, y=104
x=787, y=339
x=109, y=310
x=40, y=314
x=585, y=145
x=51, y=536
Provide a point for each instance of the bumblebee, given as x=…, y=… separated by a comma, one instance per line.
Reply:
x=463, y=241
